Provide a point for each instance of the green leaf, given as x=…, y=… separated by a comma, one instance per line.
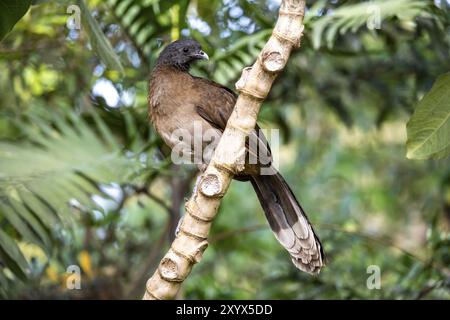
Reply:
x=13, y=252
x=429, y=128
x=10, y=12
x=66, y=162
x=3, y=281
x=19, y=225
x=98, y=40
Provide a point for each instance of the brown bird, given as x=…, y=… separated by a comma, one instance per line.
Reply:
x=179, y=101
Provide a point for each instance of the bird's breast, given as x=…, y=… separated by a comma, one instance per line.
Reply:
x=172, y=102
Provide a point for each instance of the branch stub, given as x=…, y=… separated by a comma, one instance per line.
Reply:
x=273, y=61
x=211, y=186
x=169, y=269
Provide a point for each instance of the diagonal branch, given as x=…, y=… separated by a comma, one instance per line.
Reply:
x=229, y=157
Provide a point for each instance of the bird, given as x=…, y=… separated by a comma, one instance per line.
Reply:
x=177, y=101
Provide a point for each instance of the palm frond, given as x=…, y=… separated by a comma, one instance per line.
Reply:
x=230, y=62
x=149, y=23
x=146, y=21
x=99, y=42
x=352, y=17
x=63, y=162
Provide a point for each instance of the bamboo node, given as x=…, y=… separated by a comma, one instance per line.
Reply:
x=294, y=7
x=240, y=84
x=150, y=296
x=200, y=250
x=190, y=212
x=243, y=130
x=253, y=94
x=191, y=235
x=242, y=87
x=224, y=168
x=203, y=215
x=291, y=13
x=211, y=186
x=189, y=258
x=295, y=41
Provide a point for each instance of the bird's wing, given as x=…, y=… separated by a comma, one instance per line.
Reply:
x=216, y=105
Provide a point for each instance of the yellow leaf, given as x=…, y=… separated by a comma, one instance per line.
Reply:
x=84, y=258
x=174, y=16
x=112, y=75
x=52, y=273
x=32, y=251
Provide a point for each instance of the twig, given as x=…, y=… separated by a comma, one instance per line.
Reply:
x=158, y=200
x=427, y=290
x=145, y=190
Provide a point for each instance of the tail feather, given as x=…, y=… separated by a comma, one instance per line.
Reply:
x=289, y=222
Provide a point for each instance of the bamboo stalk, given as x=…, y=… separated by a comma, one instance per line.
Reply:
x=229, y=157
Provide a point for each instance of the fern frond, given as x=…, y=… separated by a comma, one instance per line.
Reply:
x=63, y=162
x=350, y=18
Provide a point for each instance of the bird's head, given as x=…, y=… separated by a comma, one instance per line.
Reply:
x=181, y=54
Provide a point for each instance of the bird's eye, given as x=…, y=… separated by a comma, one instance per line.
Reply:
x=185, y=50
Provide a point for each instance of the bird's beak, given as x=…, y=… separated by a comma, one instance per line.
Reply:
x=202, y=55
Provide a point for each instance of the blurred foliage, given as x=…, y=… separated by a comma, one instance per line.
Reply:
x=10, y=13
x=85, y=181
x=352, y=16
x=98, y=40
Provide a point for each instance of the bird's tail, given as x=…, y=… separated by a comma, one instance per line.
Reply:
x=289, y=222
